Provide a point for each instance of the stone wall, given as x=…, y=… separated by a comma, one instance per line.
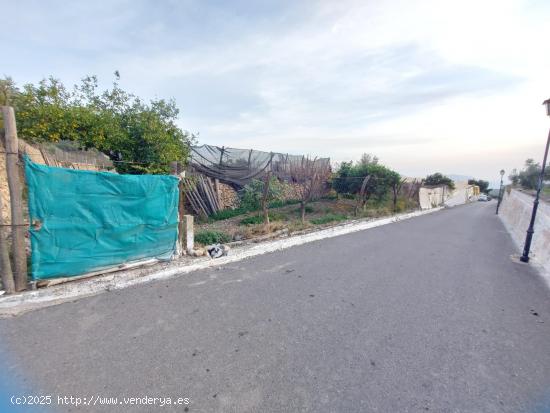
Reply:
x=291, y=191
x=228, y=196
x=515, y=213
x=24, y=148
x=4, y=191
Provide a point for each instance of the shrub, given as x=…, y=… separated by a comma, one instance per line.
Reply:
x=252, y=193
x=348, y=179
x=401, y=205
x=328, y=218
x=252, y=220
x=211, y=237
x=231, y=213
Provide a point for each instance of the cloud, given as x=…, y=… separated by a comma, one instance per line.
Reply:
x=443, y=79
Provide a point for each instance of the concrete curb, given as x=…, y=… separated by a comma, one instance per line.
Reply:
x=31, y=300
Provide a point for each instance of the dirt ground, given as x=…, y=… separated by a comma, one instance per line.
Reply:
x=318, y=214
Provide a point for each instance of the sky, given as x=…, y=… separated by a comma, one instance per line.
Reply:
x=425, y=85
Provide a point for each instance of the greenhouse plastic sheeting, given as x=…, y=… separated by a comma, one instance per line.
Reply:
x=83, y=221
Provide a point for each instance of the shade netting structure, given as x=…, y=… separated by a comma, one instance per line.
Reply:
x=239, y=166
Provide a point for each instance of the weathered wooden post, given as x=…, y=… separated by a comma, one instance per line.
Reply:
x=218, y=194
x=188, y=233
x=16, y=203
x=265, y=194
x=5, y=265
x=174, y=170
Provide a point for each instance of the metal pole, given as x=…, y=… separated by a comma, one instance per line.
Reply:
x=499, y=194
x=525, y=256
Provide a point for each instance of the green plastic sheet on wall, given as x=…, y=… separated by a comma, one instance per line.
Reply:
x=83, y=221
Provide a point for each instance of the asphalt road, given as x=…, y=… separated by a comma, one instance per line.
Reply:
x=429, y=314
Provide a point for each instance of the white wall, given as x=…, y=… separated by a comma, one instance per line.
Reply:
x=431, y=197
x=461, y=195
x=515, y=213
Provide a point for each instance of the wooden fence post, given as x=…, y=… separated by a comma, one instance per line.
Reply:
x=265, y=194
x=218, y=195
x=174, y=170
x=5, y=265
x=189, y=240
x=181, y=214
x=18, y=228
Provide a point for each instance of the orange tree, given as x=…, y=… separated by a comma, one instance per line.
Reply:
x=141, y=137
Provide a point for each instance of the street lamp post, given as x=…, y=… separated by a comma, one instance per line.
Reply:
x=500, y=189
x=525, y=256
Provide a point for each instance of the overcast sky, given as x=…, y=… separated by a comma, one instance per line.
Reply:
x=451, y=86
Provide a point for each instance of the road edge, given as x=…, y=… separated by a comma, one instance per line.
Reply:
x=17, y=304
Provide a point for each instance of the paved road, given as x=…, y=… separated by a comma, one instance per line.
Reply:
x=428, y=314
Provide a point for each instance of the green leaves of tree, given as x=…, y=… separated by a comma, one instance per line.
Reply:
x=140, y=137
x=528, y=177
x=349, y=177
x=483, y=185
x=252, y=193
x=439, y=179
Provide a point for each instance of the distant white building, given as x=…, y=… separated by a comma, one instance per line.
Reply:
x=434, y=196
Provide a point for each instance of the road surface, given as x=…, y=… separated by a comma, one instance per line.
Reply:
x=429, y=314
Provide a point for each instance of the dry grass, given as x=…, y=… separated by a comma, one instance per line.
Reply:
x=289, y=217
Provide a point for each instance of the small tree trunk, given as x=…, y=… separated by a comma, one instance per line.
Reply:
x=264, y=201
x=362, y=194
x=303, y=211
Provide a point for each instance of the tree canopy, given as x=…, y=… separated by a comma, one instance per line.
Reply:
x=349, y=177
x=483, y=185
x=528, y=177
x=367, y=159
x=140, y=137
x=439, y=179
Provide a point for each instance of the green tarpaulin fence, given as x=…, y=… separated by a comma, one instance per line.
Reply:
x=84, y=221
